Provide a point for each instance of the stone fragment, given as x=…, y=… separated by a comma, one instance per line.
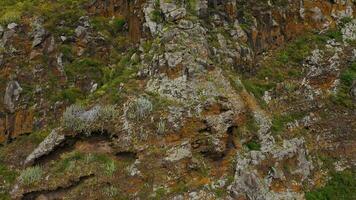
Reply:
x=12, y=94
x=12, y=26
x=46, y=146
x=38, y=33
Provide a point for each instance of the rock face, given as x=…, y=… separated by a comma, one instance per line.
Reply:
x=16, y=124
x=172, y=99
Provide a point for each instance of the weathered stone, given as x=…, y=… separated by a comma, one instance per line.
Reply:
x=12, y=26
x=38, y=33
x=173, y=59
x=179, y=152
x=12, y=94
x=54, y=139
x=79, y=31
x=171, y=11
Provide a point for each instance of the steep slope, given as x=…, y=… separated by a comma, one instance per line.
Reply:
x=177, y=99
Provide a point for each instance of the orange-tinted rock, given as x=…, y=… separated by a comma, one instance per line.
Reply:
x=23, y=123
x=14, y=125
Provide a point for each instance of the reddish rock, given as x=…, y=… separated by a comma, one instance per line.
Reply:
x=14, y=125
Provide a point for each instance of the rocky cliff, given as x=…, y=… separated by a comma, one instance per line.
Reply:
x=177, y=99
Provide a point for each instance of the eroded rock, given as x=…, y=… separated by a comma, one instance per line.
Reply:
x=12, y=94
x=52, y=141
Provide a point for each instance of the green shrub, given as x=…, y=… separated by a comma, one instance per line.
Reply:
x=156, y=16
x=253, y=145
x=118, y=24
x=31, y=175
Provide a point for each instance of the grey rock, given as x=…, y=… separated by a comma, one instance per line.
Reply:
x=38, y=33
x=250, y=186
x=173, y=59
x=153, y=26
x=84, y=20
x=51, y=46
x=179, y=152
x=169, y=35
x=177, y=14
x=201, y=7
x=12, y=95
x=171, y=12
x=80, y=31
x=12, y=26
x=6, y=36
x=46, y=146
x=60, y=63
x=353, y=90
x=1, y=60
x=63, y=38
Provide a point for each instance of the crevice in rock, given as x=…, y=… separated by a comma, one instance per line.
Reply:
x=126, y=155
x=57, y=193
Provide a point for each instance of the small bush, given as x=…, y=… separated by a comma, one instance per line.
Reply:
x=30, y=175
x=78, y=119
x=140, y=108
x=71, y=118
x=110, y=167
x=253, y=145
x=161, y=127
x=118, y=24
x=111, y=191
x=156, y=16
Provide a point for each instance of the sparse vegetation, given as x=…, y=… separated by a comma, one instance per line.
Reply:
x=111, y=191
x=341, y=186
x=78, y=119
x=139, y=108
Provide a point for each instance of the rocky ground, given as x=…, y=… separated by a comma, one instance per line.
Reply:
x=173, y=99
